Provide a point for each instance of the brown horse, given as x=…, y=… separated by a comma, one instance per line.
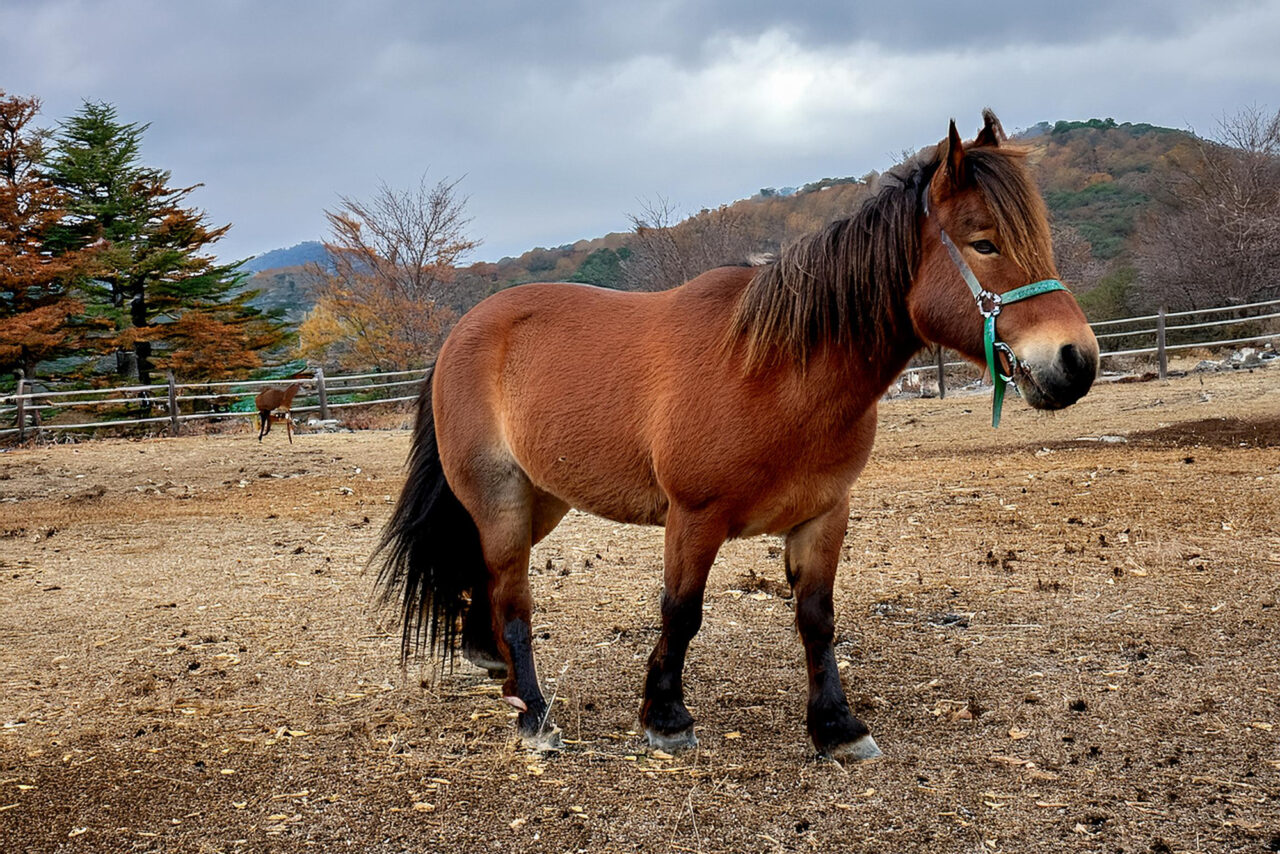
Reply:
x=274, y=405
x=741, y=403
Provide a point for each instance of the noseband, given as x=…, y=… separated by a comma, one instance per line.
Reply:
x=989, y=304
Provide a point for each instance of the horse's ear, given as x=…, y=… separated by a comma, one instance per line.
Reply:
x=992, y=133
x=957, y=172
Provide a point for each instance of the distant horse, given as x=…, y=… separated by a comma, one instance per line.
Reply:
x=741, y=403
x=273, y=405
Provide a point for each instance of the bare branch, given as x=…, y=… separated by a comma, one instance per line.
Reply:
x=393, y=255
x=1217, y=237
x=666, y=252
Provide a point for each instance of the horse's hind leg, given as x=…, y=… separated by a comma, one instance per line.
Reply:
x=501, y=500
x=264, y=424
x=812, y=553
x=479, y=641
x=691, y=545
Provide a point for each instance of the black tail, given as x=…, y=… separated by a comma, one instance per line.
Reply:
x=433, y=559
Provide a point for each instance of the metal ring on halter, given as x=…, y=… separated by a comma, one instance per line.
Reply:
x=1013, y=362
x=993, y=300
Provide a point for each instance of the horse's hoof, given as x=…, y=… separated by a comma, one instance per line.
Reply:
x=682, y=740
x=859, y=750
x=547, y=740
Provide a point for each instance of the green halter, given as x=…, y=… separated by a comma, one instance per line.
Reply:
x=989, y=305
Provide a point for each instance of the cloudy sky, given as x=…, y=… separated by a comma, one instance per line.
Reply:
x=566, y=115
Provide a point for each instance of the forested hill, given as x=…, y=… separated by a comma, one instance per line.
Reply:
x=1098, y=177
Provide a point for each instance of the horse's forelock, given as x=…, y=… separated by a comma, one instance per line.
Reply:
x=1010, y=194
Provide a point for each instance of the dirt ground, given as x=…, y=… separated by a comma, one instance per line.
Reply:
x=1062, y=633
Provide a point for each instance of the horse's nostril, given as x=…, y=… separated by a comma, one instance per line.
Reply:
x=1074, y=360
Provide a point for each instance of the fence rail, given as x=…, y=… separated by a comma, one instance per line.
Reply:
x=35, y=410
x=1255, y=328
x=27, y=407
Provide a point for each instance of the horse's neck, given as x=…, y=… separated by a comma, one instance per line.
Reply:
x=869, y=375
x=841, y=383
x=885, y=367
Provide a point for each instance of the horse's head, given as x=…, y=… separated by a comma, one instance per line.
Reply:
x=984, y=235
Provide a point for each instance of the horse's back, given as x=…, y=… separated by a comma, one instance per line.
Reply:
x=569, y=382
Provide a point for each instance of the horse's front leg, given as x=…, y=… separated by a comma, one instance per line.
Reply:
x=812, y=554
x=691, y=546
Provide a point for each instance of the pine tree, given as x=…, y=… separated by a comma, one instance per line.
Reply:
x=154, y=278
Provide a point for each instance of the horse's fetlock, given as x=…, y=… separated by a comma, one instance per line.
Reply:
x=667, y=719
x=831, y=727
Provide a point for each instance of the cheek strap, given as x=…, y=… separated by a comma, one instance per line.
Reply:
x=989, y=304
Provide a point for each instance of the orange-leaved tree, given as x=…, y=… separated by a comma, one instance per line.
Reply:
x=204, y=346
x=378, y=301
x=39, y=310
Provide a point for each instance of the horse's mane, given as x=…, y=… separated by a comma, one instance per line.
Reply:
x=847, y=284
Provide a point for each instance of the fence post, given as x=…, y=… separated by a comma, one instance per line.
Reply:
x=173, y=406
x=942, y=374
x=324, y=398
x=22, y=406
x=1162, y=358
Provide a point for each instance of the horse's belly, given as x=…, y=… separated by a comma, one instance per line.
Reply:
x=602, y=479
x=619, y=503
x=780, y=512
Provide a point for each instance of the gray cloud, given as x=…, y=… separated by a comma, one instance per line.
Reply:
x=564, y=114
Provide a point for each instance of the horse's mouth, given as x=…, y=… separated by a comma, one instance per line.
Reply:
x=1043, y=393
x=1033, y=391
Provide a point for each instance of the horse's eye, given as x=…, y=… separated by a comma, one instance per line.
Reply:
x=984, y=247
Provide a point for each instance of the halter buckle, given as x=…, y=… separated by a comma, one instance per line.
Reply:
x=988, y=303
x=1002, y=347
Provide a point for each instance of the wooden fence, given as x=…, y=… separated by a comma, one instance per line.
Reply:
x=1152, y=335
x=31, y=409
x=34, y=410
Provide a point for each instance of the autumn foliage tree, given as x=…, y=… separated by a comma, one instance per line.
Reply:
x=38, y=305
x=379, y=303
x=197, y=346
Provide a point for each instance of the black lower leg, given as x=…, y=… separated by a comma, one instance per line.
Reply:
x=664, y=710
x=522, y=681
x=830, y=721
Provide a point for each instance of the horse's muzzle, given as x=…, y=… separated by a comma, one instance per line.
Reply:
x=1060, y=381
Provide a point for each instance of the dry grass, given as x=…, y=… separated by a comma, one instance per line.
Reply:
x=1061, y=642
